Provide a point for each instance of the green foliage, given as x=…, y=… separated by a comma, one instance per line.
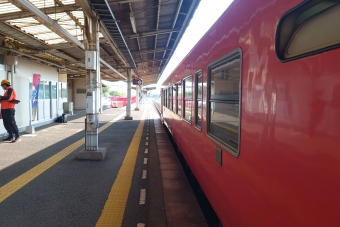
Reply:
x=116, y=93
x=108, y=92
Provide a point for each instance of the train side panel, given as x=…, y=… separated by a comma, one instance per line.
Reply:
x=288, y=169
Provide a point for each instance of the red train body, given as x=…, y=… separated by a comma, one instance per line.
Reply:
x=280, y=163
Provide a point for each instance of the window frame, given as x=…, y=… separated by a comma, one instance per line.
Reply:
x=224, y=145
x=169, y=98
x=174, y=98
x=197, y=99
x=278, y=39
x=184, y=99
x=178, y=112
x=164, y=98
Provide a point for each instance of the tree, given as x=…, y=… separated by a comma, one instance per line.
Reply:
x=106, y=91
x=115, y=93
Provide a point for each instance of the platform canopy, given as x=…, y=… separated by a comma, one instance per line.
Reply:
x=137, y=34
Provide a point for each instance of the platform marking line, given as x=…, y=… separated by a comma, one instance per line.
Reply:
x=147, y=138
x=146, y=143
x=13, y=186
x=140, y=225
x=142, y=196
x=145, y=161
x=114, y=208
x=146, y=151
x=144, y=175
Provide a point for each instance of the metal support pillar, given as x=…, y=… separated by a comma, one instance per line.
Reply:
x=137, y=98
x=128, y=103
x=91, y=151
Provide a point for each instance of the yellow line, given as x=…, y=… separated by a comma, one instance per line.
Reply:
x=11, y=187
x=113, y=212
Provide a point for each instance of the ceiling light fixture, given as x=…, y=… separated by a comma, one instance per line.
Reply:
x=133, y=22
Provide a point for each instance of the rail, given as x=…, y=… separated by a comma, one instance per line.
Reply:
x=157, y=106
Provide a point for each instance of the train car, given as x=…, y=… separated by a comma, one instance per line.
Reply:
x=254, y=108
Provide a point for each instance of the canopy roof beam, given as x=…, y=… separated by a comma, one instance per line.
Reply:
x=48, y=10
x=157, y=32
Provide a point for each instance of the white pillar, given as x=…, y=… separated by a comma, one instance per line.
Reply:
x=12, y=75
x=137, y=98
x=92, y=88
x=101, y=95
x=128, y=103
x=30, y=128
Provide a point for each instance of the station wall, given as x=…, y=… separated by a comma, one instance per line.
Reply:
x=52, y=93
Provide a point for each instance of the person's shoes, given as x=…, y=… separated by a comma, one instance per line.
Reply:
x=17, y=139
x=8, y=139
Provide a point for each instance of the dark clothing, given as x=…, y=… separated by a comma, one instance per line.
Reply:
x=8, y=112
x=9, y=122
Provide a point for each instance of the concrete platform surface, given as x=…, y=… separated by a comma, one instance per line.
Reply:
x=138, y=182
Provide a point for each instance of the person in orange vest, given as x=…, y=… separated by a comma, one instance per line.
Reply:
x=8, y=112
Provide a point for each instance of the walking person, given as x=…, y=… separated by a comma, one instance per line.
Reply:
x=7, y=102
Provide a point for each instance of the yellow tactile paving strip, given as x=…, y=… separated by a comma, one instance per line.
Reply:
x=11, y=187
x=113, y=212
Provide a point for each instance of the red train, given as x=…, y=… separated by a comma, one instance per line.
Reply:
x=254, y=108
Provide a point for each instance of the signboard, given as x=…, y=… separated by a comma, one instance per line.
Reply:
x=137, y=81
x=35, y=94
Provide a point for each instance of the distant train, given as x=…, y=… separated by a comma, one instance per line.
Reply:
x=254, y=108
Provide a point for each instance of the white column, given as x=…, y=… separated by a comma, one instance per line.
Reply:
x=128, y=103
x=101, y=96
x=92, y=89
x=12, y=76
x=137, y=97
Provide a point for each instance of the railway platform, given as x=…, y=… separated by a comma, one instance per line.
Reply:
x=140, y=182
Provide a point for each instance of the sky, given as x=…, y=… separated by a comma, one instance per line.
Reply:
x=205, y=16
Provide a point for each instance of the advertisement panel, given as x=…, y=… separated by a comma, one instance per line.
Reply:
x=35, y=94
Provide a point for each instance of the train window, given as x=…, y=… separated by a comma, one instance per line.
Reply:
x=170, y=98
x=223, y=110
x=308, y=29
x=165, y=97
x=198, y=99
x=179, y=98
x=174, y=99
x=187, y=92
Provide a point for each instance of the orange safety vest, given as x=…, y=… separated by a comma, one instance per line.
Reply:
x=6, y=101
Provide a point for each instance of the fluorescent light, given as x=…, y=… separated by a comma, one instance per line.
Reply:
x=133, y=22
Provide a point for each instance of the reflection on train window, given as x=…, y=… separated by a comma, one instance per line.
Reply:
x=308, y=29
x=198, y=99
x=187, y=86
x=224, y=100
x=179, y=99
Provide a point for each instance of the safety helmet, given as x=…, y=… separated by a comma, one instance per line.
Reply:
x=5, y=82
